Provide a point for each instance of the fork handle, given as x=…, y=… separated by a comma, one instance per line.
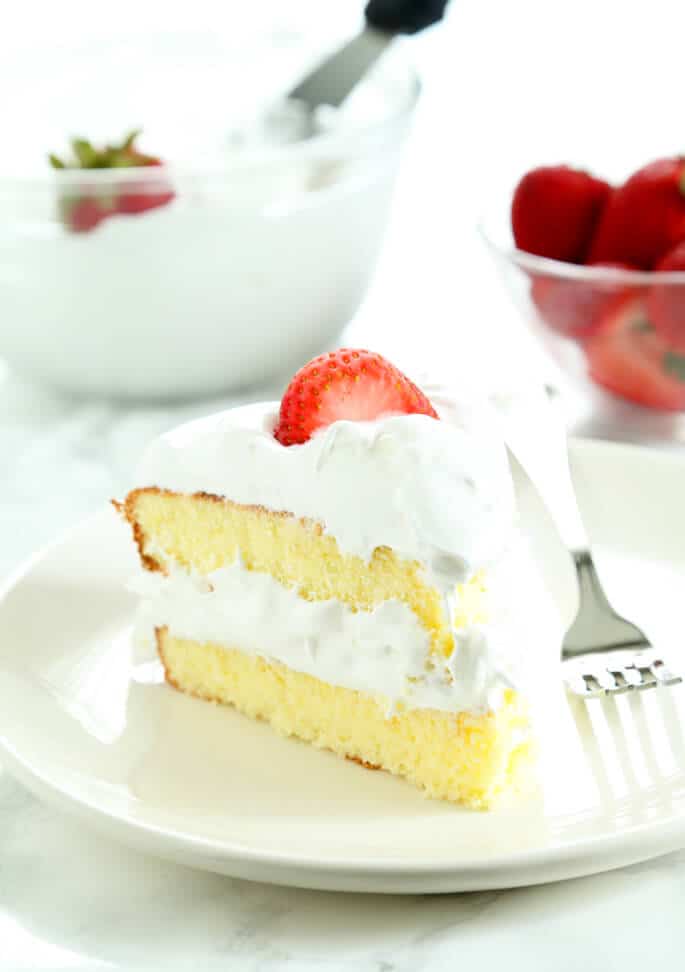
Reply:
x=538, y=440
x=403, y=16
x=585, y=636
x=555, y=486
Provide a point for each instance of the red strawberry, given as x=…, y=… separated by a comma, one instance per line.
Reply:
x=345, y=384
x=85, y=214
x=140, y=198
x=628, y=357
x=666, y=301
x=555, y=211
x=645, y=217
x=575, y=306
x=137, y=197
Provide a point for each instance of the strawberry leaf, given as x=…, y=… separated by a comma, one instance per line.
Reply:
x=86, y=155
x=120, y=161
x=122, y=155
x=127, y=143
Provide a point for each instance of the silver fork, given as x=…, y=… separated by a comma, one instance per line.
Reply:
x=603, y=653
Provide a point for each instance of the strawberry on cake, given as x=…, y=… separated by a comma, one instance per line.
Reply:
x=329, y=565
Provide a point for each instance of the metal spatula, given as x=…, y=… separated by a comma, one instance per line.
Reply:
x=332, y=81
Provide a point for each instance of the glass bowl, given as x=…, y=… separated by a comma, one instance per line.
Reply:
x=618, y=335
x=200, y=277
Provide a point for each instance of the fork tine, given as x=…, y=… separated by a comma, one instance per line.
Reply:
x=663, y=674
x=643, y=673
x=647, y=677
x=597, y=631
x=622, y=684
x=592, y=687
x=575, y=683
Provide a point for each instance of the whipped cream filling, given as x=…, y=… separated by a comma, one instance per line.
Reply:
x=438, y=492
x=384, y=652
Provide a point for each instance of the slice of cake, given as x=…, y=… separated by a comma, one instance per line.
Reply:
x=330, y=566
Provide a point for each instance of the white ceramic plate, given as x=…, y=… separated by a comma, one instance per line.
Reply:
x=84, y=727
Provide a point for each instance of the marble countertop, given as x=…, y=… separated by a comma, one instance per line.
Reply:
x=71, y=900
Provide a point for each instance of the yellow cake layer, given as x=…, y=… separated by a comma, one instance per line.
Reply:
x=206, y=532
x=463, y=758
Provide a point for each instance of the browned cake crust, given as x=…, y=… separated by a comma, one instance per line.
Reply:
x=362, y=762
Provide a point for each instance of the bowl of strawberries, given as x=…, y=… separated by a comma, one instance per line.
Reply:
x=599, y=271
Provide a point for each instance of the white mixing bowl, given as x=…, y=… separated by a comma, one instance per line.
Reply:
x=257, y=263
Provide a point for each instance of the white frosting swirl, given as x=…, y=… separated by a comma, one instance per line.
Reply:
x=439, y=492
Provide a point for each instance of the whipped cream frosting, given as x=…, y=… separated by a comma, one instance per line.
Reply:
x=384, y=652
x=435, y=491
x=439, y=492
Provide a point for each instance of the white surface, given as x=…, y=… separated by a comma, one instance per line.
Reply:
x=90, y=730
x=514, y=96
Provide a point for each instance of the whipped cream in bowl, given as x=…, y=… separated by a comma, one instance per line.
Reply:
x=258, y=261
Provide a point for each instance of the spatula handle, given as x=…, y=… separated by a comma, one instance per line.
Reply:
x=403, y=16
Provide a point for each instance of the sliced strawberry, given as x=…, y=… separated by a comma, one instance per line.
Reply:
x=140, y=198
x=666, y=301
x=134, y=201
x=346, y=384
x=83, y=215
x=630, y=359
x=575, y=307
x=555, y=210
x=136, y=197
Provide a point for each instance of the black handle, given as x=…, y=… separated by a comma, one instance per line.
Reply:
x=403, y=16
